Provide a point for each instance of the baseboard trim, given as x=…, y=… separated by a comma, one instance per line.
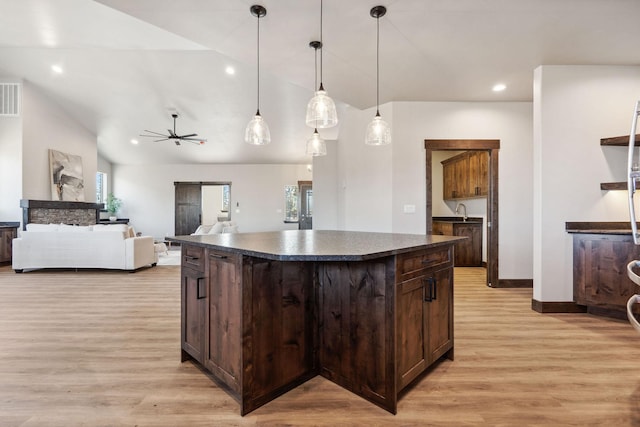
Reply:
x=557, y=307
x=514, y=283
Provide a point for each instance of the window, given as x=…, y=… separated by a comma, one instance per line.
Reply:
x=291, y=203
x=101, y=187
x=225, y=197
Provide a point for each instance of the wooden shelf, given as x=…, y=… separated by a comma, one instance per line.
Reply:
x=606, y=186
x=619, y=141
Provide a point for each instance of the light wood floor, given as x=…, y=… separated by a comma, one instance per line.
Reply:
x=103, y=349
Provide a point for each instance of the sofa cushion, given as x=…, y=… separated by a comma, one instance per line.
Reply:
x=75, y=228
x=203, y=229
x=42, y=227
x=216, y=229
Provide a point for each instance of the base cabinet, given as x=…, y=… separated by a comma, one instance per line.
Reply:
x=262, y=327
x=425, y=317
x=600, y=279
x=7, y=234
x=468, y=252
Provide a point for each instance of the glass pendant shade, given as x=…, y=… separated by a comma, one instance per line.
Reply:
x=316, y=146
x=378, y=132
x=321, y=111
x=257, y=131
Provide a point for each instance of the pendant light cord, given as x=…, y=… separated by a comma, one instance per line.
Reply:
x=258, y=62
x=378, y=66
x=321, y=47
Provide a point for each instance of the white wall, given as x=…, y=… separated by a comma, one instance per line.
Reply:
x=257, y=193
x=376, y=182
x=326, y=189
x=576, y=106
x=10, y=166
x=46, y=126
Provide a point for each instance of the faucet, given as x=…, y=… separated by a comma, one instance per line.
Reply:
x=461, y=205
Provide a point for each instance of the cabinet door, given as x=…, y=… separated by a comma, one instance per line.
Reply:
x=194, y=306
x=468, y=253
x=6, y=240
x=439, y=314
x=412, y=357
x=478, y=173
x=461, y=183
x=448, y=181
x=223, y=343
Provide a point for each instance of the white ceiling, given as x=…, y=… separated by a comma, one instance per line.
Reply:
x=128, y=64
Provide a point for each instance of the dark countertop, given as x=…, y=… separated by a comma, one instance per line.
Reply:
x=458, y=219
x=5, y=224
x=317, y=245
x=598, y=227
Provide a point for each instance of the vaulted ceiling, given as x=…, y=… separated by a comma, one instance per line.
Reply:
x=127, y=65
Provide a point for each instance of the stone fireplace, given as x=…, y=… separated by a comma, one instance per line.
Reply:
x=59, y=212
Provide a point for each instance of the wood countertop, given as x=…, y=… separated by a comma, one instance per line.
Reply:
x=598, y=227
x=317, y=245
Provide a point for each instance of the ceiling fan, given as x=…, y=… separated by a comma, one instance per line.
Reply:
x=173, y=136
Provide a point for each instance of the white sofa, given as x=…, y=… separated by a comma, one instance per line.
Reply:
x=112, y=246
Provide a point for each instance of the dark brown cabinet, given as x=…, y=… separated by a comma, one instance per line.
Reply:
x=466, y=176
x=262, y=326
x=7, y=234
x=194, y=293
x=600, y=279
x=425, y=312
x=468, y=252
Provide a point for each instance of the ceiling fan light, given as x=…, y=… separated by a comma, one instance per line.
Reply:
x=316, y=146
x=321, y=111
x=378, y=132
x=257, y=131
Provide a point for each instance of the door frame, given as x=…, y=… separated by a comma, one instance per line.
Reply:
x=492, y=146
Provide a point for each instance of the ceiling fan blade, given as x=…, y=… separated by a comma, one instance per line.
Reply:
x=187, y=136
x=193, y=139
x=172, y=133
x=154, y=133
x=163, y=139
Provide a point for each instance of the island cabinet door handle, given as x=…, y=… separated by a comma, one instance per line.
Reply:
x=218, y=256
x=191, y=258
x=434, y=284
x=199, y=282
x=427, y=291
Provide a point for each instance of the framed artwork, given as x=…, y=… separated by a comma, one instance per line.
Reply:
x=67, y=182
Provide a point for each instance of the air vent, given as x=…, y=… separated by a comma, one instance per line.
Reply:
x=9, y=99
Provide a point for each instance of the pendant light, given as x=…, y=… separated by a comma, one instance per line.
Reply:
x=257, y=131
x=378, y=131
x=316, y=146
x=321, y=110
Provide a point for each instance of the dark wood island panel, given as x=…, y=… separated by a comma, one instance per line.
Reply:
x=265, y=312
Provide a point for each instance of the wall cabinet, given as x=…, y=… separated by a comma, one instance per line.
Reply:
x=466, y=175
x=468, y=253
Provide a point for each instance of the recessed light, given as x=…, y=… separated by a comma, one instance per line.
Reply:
x=230, y=70
x=57, y=69
x=499, y=87
x=134, y=141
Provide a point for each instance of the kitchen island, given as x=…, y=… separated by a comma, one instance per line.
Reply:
x=265, y=312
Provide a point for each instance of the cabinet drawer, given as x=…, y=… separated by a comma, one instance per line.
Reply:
x=193, y=257
x=413, y=263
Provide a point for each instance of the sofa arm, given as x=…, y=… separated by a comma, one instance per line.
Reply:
x=139, y=252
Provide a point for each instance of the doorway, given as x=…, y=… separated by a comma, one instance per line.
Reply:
x=200, y=202
x=492, y=146
x=305, y=201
